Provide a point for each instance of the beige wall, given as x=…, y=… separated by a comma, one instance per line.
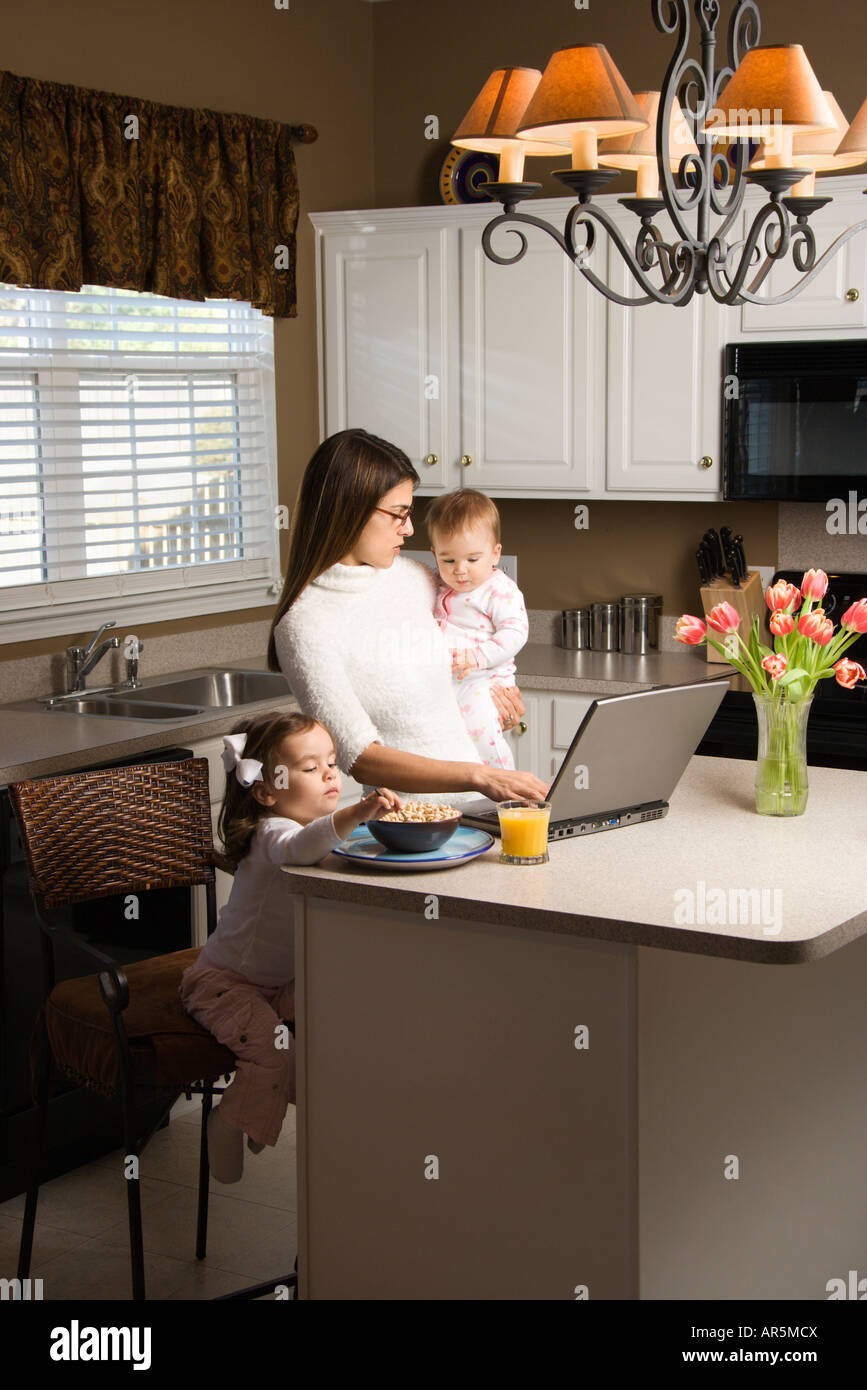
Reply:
x=230, y=55
x=358, y=71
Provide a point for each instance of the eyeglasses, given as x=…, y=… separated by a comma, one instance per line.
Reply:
x=401, y=516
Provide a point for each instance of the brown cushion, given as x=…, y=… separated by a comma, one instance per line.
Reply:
x=168, y=1048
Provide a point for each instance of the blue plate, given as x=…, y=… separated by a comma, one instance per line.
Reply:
x=466, y=843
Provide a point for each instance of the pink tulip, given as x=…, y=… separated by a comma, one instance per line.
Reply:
x=775, y=666
x=782, y=595
x=848, y=672
x=724, y=618
x=856, y=616
x=781, y=624
x=816, y=626
x=690, y=630
x=814, y=584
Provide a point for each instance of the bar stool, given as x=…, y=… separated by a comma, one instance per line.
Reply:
x=89, y=835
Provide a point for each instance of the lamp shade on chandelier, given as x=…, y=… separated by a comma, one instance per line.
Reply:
x=672, y=138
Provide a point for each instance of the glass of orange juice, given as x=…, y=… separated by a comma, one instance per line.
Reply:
x=524, y=831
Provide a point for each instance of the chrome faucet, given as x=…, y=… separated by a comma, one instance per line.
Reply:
x=131, y=648
x=81, y=660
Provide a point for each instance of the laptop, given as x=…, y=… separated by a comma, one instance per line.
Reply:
x=627, y=757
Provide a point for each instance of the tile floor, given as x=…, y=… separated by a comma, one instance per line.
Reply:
x=81, y=1242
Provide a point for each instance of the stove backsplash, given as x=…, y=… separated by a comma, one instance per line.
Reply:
x=805, y=542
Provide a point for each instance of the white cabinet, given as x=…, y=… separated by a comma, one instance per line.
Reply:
x=386, y=339
x=532, y=375
x=524, y=740
x=550, y=724
x=665, y=372
x=837, y=298
x=487, y=376
x=522, y=380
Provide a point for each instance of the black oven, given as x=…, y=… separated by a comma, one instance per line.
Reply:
x=837, y=727
x=795, y=421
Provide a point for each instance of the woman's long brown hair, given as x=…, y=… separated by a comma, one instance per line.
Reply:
x=343, y=482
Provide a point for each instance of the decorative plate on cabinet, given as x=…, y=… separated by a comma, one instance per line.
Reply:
x=464, y=175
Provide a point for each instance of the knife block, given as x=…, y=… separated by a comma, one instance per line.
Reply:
x=747, y=600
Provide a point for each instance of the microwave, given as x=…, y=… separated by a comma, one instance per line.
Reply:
x=795, y=420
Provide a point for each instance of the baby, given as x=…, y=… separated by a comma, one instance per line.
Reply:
x=480, y=612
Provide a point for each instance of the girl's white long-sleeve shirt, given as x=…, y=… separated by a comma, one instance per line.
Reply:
x=362, y=652
x=491, y=620
x=255, y=935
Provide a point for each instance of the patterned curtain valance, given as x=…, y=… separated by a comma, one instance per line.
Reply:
x=186, y=203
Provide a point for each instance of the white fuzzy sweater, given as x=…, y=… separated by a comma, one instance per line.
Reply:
x=362, y=652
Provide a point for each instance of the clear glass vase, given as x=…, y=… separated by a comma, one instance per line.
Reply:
x=781, y=769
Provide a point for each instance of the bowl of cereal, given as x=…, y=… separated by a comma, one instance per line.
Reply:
x=421, y=826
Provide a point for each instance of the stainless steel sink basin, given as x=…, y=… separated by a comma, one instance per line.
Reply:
x=196, y=692
x=215, y=689
x=120, y=708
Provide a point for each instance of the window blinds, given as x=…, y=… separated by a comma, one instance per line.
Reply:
x=136, y=444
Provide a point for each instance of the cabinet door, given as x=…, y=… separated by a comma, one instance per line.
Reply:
x=532, y=372
x=821, y=305
x=525, y=740
x=386, y=324
x=665, y=374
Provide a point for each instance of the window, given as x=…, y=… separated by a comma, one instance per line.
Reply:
x=137, y=458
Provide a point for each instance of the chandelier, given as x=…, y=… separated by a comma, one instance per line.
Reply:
x=769, y=96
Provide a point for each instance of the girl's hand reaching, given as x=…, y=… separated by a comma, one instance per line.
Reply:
x=371, y=807
x=377, y=804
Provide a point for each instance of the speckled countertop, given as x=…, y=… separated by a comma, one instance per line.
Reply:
x=805, y=873
x=38, y=743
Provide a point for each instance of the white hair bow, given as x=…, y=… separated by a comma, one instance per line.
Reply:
x=247, y=770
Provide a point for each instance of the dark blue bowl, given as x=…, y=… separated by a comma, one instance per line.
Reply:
x=413, y=837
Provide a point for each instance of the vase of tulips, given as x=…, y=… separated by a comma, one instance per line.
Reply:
x=806, y=651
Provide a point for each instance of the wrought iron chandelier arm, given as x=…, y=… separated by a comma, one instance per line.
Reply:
x=806, y=262
x=581, y=215
x=745, y=32
x=680, y=68
x=726, y=285
x=676, y=287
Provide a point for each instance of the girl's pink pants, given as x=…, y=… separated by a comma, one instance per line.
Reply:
x=248, y=1019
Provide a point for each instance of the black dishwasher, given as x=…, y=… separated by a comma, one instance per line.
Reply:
x=80, y=1126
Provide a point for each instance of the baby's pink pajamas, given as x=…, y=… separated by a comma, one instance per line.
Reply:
x=492, y=621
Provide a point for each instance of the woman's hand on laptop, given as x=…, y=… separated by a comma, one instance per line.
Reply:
x=501, y=784
x=509, y=705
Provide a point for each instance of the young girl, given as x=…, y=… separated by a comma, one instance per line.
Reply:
x=282, y=787
x=480, y=612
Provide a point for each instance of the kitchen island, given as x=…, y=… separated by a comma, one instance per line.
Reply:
x=588, y=1079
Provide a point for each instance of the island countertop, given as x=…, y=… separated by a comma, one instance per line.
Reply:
x=794, y=888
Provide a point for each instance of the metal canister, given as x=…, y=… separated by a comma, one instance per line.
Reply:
x=604, y=626
x=640, y=616
x=575, y=628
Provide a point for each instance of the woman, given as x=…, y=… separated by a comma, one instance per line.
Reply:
x=355, y=636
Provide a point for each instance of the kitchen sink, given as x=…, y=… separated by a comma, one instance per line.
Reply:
x=177, y=698
x=216, y=689
x=120, y=708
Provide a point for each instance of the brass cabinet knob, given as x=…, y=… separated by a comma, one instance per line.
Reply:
x=522, y=727
x=705, y=461
x=466, y=460
x=431, y=458
x=853, y=295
